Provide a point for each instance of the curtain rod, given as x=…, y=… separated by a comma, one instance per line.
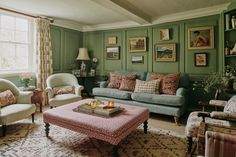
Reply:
x=17, y=12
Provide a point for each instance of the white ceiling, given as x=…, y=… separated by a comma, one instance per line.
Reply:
x=88, y=15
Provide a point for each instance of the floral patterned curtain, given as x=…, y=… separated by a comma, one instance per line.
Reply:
x=43, y=54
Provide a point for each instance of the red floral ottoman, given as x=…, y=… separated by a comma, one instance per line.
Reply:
x=111, y=129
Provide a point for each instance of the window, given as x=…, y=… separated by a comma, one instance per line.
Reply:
x=16, y=44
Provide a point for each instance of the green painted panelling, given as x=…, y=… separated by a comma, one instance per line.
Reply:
x=56, y=48
x=133, y=33
x=65, y=44
x=169, y=67
x=94, y=42
x=111, y=65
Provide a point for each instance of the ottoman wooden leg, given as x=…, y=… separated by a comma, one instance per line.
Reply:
x=4, y=128
x=115, y=151
x=47, y=129
x=189, y=144
x=145, y=126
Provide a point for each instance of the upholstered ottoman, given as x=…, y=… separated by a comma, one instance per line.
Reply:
x=111, y=129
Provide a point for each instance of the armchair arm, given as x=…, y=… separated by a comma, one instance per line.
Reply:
x=203, y=115
x=78, y=89
x=24, y=97
x=224, y=115
x=103, y=84
x=181, y=91
x=49, y=91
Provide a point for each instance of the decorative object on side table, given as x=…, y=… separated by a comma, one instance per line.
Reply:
x=93, y=67
x=83, y=56
x=25, y=79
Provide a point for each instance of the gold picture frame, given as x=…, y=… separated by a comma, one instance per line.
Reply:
x=112, y=40
x=165, y=52
x=137, y=44
x=200, y=59
x=201, y=38
x=113, y=53
x=164, y=34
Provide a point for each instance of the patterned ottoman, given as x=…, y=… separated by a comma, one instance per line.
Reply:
x=111, y=129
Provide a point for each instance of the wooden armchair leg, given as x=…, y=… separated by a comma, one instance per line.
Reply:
x=189, y=144
x=32, y=118
x=4, y=127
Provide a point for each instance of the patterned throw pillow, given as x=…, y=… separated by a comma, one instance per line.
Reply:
x=7, y=98
x=170, y=83
x=151, y=87
x=155, y=76
x=64, y=90
x=231, y=105
x=115, y=81
x=128, y=82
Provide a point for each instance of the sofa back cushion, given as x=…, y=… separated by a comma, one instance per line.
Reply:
x=139, y=74
x=231, y=105
x=151, y=87
x=128, y=82
x=7, y=98
x=114, y=80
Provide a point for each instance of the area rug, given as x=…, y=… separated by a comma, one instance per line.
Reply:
x=25, y=139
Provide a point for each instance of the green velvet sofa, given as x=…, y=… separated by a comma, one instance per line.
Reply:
x=172, y=105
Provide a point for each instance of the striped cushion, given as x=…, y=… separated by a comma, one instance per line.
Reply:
x=128, y=82
x=115, y=81
x=151, y=87
x=170, y=83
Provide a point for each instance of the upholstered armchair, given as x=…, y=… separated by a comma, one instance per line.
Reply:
x=220, y=144
x=14, y=104
x=200, y=122
x=63, y=88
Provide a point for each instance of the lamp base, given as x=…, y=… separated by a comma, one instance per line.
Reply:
x=83, y=66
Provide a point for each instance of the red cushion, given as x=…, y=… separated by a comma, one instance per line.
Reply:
x=115, y=81
x=128, y=83
x=170, y=83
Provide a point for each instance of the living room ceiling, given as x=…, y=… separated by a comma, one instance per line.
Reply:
x=85, y=15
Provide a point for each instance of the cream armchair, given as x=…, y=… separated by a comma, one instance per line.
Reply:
x=200, y=122
x=63, y=88
x=17, y=111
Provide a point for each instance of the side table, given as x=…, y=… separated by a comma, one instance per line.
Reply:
x=37, y=97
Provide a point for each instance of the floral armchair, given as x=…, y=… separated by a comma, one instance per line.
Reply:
x=200, y=122
x=63, y=88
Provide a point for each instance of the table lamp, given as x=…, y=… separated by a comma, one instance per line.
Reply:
x=83, y=55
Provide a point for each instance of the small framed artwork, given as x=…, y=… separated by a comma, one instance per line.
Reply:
x=137, y=44
x=112, y=40
x=113, y=53
x=164, y=34
x=137, y=59
x=165, y=52
x=200, y=59
x=201, y=38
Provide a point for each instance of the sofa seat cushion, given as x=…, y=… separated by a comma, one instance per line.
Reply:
x=14, y=112
x=113, y=93
x=164, y=99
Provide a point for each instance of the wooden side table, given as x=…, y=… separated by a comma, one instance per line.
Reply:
x=37, y=97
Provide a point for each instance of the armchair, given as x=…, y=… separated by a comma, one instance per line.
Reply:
x=18, y=110
x=200, y=122
x=63, y=88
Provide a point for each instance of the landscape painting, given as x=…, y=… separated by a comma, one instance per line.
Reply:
x=165, y=52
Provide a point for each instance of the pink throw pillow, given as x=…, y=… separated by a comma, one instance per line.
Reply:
x=114, y=81
x=64, y=90
x=128, y=83
x=7, y=98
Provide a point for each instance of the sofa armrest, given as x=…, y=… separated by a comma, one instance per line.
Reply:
x=78, y=89
x=203, y=115
x=24, y=97
x=224, y=115
x=181, y=91
x=49, y=91
x=103, y=84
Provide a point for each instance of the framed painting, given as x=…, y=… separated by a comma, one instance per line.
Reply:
x=201, y=38
x=113, y=53
x=200, y=59
x=165, y=52
x=137, y=44
x=112, y=40
x=164, y=34
x=137, y=59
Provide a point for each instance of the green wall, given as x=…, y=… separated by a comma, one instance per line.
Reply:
x=65, y=45
x=98, y=41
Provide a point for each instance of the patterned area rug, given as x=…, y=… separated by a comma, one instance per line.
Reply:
x=25, y=139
